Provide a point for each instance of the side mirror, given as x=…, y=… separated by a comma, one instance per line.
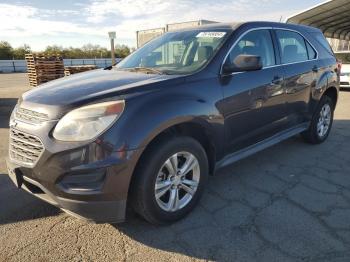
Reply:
x=243, y=63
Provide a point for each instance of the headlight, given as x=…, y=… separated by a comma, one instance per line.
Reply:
x=86, y=123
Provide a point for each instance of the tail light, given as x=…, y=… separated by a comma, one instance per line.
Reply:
x=339, y=65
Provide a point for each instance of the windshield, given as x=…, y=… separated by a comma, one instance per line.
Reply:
x=176, y=52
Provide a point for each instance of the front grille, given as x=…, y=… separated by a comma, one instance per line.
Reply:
x=30, y=116
x=24, y=148
x=345, y=83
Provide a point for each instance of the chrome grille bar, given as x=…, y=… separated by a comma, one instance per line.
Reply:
x=24, y=148
x=30, y=116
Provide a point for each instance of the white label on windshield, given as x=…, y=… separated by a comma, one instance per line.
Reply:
x=211, y=34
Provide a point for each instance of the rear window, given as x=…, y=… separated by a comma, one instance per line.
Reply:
x=323, y=41
x=293, y=47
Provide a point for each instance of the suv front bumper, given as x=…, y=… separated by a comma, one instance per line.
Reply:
x=96, y=211
x=94, y=191
x=87, y=179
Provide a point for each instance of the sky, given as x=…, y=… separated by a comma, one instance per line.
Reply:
x=39, y=23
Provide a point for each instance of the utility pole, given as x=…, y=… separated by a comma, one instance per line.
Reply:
x=112, y=36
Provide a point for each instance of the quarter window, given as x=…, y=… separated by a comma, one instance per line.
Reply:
x=322, y=40
x=311, y=51
x=292, y=46
x=257, y=42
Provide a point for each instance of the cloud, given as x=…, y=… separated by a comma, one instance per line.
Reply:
x=128, y=16
x=160, y=11
x=94, y=18
x=125, y=8
x=25, y=21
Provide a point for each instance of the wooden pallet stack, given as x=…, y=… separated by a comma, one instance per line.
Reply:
x=42, y=68
x=69, y=70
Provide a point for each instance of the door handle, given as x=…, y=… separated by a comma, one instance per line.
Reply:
x=277, y=80
x=257, y=103
x=275, y=88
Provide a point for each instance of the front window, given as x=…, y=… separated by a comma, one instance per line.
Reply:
x=257, y=42
x=177, y=52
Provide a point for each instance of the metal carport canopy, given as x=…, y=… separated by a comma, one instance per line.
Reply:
x=332, y=17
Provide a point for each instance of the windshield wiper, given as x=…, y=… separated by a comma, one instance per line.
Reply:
x=110, y=67
x=147, y=69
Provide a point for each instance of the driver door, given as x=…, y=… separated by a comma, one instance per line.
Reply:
x=254, y=101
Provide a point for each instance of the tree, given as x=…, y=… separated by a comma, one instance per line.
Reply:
x=5, y=50
x=19, y=53
x=72, y=52
x=86, y=51
x=54, y=50
x=122, y=51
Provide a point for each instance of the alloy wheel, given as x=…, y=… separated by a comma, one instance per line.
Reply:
x=324, y=120
x=177, y=181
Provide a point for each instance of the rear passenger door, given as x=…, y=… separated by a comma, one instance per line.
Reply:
x=299, y=63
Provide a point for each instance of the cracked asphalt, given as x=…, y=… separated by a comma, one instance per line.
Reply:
x=290, y=202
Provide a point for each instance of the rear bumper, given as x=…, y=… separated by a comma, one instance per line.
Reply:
x=345, y=86
x=344, y=81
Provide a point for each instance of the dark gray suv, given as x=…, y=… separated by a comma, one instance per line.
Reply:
x=149, y=131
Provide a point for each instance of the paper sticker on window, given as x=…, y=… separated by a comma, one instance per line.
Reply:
x=211, y=34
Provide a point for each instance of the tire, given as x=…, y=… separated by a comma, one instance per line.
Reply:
x=154, y=167
x=312, y=135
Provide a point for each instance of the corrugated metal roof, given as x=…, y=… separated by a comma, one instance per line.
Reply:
x=332, y=17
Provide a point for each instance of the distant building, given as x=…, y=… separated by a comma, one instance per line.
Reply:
x=144, y=36
x=339, y=45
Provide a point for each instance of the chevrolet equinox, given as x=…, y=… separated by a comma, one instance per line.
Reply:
x=147, y=132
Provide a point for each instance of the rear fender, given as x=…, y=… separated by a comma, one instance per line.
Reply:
x=328, y=79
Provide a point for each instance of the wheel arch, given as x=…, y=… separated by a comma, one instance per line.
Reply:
x=327, y=84
x=198, y=130
x=194, y=129
x=332, y=92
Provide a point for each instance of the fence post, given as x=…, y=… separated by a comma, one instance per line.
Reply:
x=14, y=67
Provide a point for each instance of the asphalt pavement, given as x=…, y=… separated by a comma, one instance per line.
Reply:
x=290, y=202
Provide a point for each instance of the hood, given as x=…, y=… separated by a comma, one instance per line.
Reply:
x=90, y=85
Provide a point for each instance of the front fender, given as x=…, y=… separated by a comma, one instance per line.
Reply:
x=147, y=116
